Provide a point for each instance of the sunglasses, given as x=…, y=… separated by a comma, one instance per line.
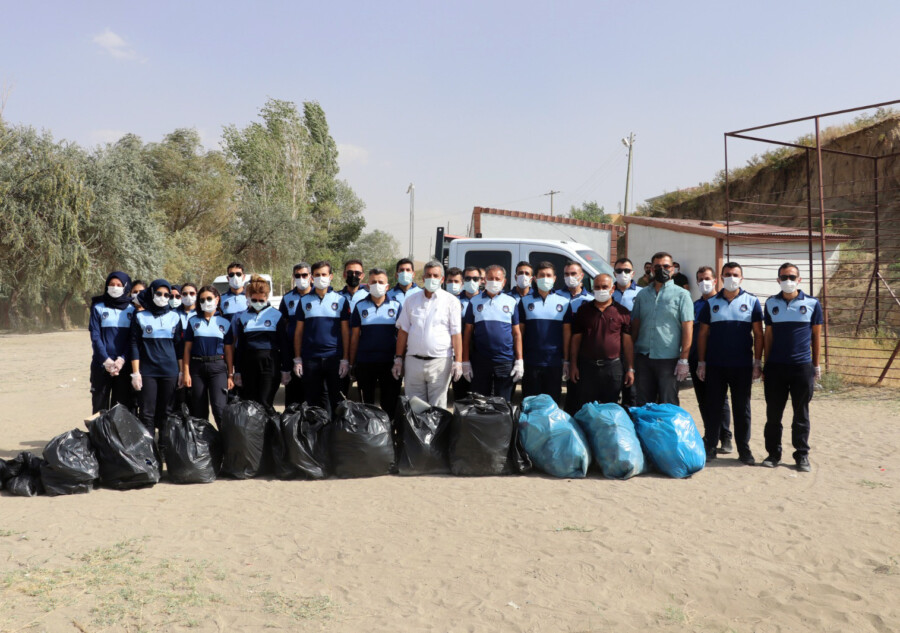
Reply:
x=620, y=271
x=208, y=298
x=787, y=277
x=235, y=274
x=472, y=278
x=188, y=294
x=176, y=296
x=163, y=294
x=666, y=266
x=354, y=273
x=301, y=275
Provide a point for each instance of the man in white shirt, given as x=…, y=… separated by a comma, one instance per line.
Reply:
x=429, y=340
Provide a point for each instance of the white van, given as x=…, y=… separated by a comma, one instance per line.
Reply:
x=221, y=284
x=507, y=252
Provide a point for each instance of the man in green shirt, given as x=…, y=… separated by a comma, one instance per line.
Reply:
x=662, y=325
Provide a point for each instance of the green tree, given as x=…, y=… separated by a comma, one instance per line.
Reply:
x=590, y=212
x=375, y=249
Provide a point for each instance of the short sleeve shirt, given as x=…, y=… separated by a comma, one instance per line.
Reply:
x=208, y=338
x=542, y=341
x=661, y=315
x=625, y=298
x=791, y=323
x=493, y=319
x=601, y=331
x=321, y=317
x=377, y=330
x=730, y=342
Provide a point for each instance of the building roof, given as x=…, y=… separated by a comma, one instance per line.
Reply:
x=746, y=231
x=541, y=217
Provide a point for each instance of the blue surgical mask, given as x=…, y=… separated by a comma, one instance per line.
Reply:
x=404, y=278
x=546, y=283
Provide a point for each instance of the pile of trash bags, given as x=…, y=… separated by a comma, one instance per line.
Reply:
x=483, y=436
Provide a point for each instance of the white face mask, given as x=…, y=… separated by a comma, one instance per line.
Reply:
x=731, y=283
x=454, y=287
x=302, y=283
x=601, y=296
x=208, y=306
x=321, y=283
x=236, y=282
x=188, y=301
x=523, y=281
x=115, y=291
x=493, y=287
x=431, y=284
x=706, y=286
x=404, y=278
x=546, y=283
x=788, y=287
x=675, y=271
x=572, y=281
x=175, y=303
x=134, y=298
x=160, y=302
x=259, y=305
x=623, y=279
x=378, y=290
x=471, y=287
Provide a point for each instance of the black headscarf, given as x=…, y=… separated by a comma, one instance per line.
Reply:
x=118, y=303
x=146, y=297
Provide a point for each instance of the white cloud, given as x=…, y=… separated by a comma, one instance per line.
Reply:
x=349, y=154
x=115, y=45
x=102, y=137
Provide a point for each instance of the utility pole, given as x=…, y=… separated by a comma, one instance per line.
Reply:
x=629, y=143
x=411, y=190
x=551, y=193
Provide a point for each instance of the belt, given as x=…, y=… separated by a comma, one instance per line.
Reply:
x=425, y=357
x=206, y=359
x=603, y=363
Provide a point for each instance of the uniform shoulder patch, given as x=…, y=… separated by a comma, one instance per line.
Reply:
x=268, y=323
x=106, y=315
x=506, y=309
x=391, y=312
x=291, y=304
x=715, y=308
x=745, y=307
x=531, y=307
x=308, y=307
x=803, y=309
x=334, y=305
x=559, y=307
x=149, y=329
x=197, y=325
x=222, y=329
x=129, y=315
x=775, y=310
x=480, y=307
x=365, y=313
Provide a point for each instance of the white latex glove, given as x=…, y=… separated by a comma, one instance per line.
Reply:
x=757, y=370
x=682, y=371
x=565, y=375
x=701, y=370
x=298, y=367
x=110, y=366
x=467, y=370
x=137, y=382
x=344, y=368
x=518, y=370
x=236, y=379
x=818, y=371
x=120, y=363
x=285, y=377
x=180, y=383
x=397, y=369
x=457, y=371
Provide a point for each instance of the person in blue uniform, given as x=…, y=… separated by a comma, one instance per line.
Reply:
x=405, y=286
x=373, y=339
x=706, y=282
x=463, y=284
x=729, y=357
x=322, y=339
x=793, y=339
x=156, y=352
x=573, y=275
x=523, y=281
x=176, y=302
x=235, y=300
x=110, y=330
x=544, y=341
x=624, y=292
x=208, y=361
x=492, y=342
x=137, y=286
x=293, y=391
x=262, y=354
x=355, y=291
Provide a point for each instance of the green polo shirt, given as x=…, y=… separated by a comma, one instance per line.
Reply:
x=661, y=315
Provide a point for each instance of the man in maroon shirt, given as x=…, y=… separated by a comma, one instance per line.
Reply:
x=601, y=343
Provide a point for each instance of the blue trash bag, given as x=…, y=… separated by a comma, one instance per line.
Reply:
x=613, y=440
x=670, y=439
x=550, y=438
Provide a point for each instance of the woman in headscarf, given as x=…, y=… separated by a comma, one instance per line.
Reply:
x=110, y=329
x=155, y=353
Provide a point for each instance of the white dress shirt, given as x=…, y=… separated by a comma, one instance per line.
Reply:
x=430, y=323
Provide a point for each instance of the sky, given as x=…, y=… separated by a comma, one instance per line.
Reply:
x=476, y=103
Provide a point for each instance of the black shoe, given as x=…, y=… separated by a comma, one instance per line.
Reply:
x=710, y=454
x=771, y=461
x=803, y=464
x=727, y=447
x=747, y=459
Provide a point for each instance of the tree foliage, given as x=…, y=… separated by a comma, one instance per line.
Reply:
x=590, y=212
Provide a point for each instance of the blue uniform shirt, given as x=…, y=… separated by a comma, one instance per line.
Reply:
x=361, y=293
x=208, y=338
x=730, y=342
x=791, y=323
x=110, y=331
x=322, y=324
x=397, y=293
x=574, y=302
x=156, y=343
x=542, y=343
x=263, y=330
x=288, y=308
x=514, y=293
x=493, y=319
x=625, y=298
x=698, y=306
x=232, y=303
x=378, y=330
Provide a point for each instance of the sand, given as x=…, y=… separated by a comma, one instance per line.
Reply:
x=733, y=548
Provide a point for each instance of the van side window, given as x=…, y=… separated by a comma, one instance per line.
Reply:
x=558, y=260
x=483, y=259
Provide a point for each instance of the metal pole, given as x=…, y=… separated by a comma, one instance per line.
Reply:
x=630, y=144
x=411, y=190
x=877, y=254
x=809, y=230
x=551, y=193
x=822, y=238
x=727, y=211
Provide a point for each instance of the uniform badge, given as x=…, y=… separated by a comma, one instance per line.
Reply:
x=196, y=326
x=268, y=323
x=308, y=307
x=129, y=315
x=226, y=303
x=291, y=304
x=775, y=310
x=391, y=312
x=506, y=309
x=531, y=307
x=149, y=329
x=106, y=315
x=334, y=305
x=802, y=309
x=222, y=329
x=745, y=307
x=559, y=308
x=365, y=313
x=715, y=308
x=480, y=307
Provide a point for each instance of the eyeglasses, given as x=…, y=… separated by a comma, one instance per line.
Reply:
x=235, y=274
x=620, y=271
x=301, y=275
x=472, y=278
x=788, y=277
x=163, y=294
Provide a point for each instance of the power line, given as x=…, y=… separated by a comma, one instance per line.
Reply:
x=551, y=193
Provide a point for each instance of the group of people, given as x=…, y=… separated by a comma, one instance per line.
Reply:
x=616, y=341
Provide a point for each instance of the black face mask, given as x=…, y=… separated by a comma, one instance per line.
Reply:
x=353, y=280
x=662, y=275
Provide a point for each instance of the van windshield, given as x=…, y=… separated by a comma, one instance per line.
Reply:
x=596, y=260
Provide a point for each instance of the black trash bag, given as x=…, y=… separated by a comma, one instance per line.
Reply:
x=362, y=443
x=23, y=475
x=424, y=438
x=519, y=461
x=484, y=439
x=125, y=449
x=243, y=432
x=71, y=464
x=306, y=432
x=191, y=449
x=277, y=459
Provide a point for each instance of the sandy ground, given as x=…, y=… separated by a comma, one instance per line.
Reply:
x=732, y=549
